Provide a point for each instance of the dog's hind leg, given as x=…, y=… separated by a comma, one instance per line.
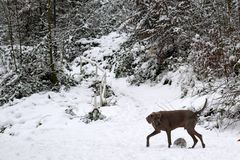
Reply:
x=200, y=137
x=191, y=133
x=150, y=135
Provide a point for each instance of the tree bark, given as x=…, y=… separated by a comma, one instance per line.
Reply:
x=19, y=36
x=54, y=26
x=239, y=14
x=41, y=26
x=53, y=77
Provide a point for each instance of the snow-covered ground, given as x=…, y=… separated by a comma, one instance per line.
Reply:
x=38, y=127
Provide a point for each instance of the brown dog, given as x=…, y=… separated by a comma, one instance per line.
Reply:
x=170, y=120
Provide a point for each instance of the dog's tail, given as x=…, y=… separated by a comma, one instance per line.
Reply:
x=204, y=106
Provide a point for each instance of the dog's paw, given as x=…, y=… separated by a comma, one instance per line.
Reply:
x=203, y=146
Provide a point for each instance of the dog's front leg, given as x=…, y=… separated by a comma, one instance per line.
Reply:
x=169, y=138
x=150, y=135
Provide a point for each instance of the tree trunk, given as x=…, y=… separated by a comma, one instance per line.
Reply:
x=54, y=26
x=239, y=14
x=54, y=14
x=53, y=77
x=10, y=34
x=19, y=36
x=229, y=11
x=41, y=26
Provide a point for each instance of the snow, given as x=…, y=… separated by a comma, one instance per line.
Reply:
x=108, y=45
x=38, y=127
x=164, y=17
x=238, y=46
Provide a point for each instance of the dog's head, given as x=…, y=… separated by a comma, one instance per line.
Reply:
x=153, y=117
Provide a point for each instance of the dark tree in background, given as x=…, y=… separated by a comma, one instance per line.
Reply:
x=8, y=14
x=53, y=76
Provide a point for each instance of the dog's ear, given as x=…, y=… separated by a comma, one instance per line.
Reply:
x=150, y=118
x=158, y=118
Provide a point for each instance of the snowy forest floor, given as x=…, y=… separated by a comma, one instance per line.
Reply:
x=38, y=127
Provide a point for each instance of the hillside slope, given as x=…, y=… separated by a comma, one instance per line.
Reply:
x=40, y=126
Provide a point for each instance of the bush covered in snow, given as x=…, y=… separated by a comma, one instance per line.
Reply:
x=32, y=76
x=94, y=115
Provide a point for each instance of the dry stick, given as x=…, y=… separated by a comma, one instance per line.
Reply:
x=95, y=101
x=81, y=65
x=100, y=95
x=103, y=84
